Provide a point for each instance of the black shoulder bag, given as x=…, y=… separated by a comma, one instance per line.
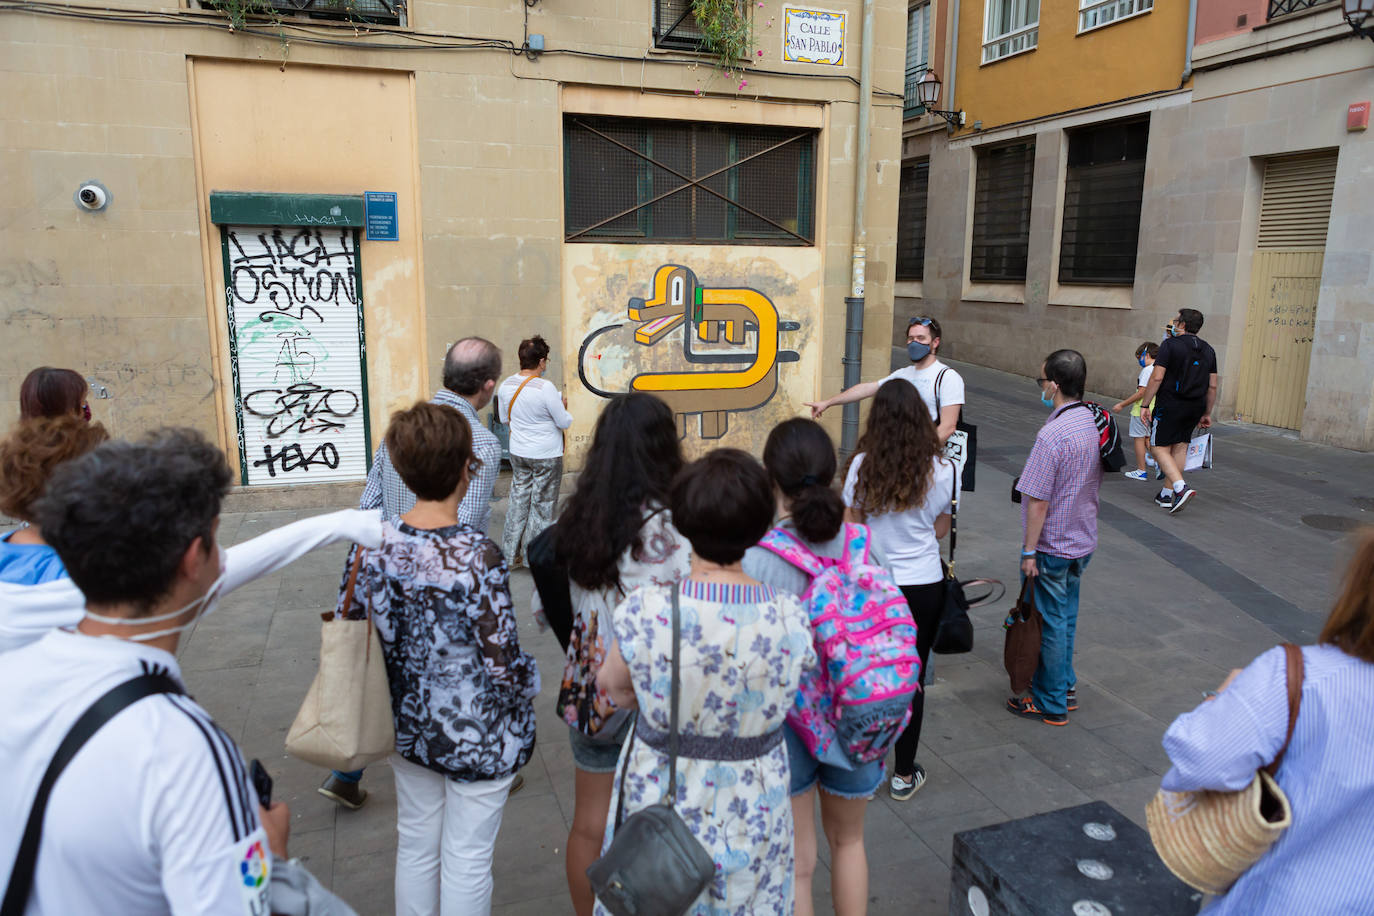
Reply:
x=654, y=866
x=954, y=634
x=962, y=447
x=551, y=581
x=102, y=711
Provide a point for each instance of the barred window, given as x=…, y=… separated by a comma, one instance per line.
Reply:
x=675, y=26
x=1102, y=194
x=632, y=180
x=1001, y=213
x=377, y=12
x=911, y=220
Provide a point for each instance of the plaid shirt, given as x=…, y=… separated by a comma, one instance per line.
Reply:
x=1065, y=469
x=386, y=491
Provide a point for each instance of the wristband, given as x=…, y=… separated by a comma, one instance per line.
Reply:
x=1027, y=554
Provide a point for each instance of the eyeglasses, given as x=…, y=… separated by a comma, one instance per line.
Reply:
x=922, y=321
x=1041, y=381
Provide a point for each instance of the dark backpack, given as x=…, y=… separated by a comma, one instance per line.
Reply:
x=1108, y=437
x=1193, y=379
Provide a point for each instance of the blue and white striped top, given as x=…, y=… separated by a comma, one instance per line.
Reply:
x=1321, y=863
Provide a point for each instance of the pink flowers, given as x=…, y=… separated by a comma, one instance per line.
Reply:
x=743, y=83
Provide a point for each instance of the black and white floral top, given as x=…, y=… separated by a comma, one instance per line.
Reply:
x=460, y=686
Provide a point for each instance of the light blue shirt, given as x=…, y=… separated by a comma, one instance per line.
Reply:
x=1320, y=864
x=29, y=564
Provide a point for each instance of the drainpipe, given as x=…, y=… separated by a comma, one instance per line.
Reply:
x=854, y=302
x=1192, y=37
x=954, y=56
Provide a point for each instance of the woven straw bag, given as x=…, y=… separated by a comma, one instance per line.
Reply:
x=345, y=722
x=1209, y=839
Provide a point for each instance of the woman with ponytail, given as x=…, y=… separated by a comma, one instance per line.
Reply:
x=800, y=458
x=901, y=485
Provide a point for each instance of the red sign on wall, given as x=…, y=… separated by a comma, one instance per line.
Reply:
x=1357, y=116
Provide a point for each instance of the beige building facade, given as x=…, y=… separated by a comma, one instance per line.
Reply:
x=666, y=226
x=1252, y=203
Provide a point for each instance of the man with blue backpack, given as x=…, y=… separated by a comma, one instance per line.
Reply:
x=1185, y=379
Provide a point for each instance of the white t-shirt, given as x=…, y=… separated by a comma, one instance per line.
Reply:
x=536, y=429
x=951, y=386
x=154, y=815
x=1143, y=381
x=28, y=612
x=907, y=539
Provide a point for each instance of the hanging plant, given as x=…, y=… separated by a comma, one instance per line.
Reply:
x=239, y=11
x=727, y=33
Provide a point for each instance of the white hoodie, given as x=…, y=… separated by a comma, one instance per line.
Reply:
x=27, y=612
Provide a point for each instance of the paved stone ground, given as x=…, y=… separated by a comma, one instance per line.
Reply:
x=1169, y=605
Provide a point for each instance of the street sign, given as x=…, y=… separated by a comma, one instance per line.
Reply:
x=380, y=216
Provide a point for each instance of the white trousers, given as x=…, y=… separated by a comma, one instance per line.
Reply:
x=446, y=832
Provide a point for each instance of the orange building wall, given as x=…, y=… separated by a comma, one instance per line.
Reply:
x=1068, y=71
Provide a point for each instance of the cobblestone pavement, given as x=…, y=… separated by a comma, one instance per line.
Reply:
x=1170, y=603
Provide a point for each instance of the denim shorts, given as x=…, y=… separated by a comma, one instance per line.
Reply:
x=595, y=756
x=860, y=782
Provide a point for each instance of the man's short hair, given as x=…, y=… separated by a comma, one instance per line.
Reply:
x=1192, y=320
x=928, y=322
x=1148, y=348
x=470, y=364
x=122, y=516
x=1068, y=370
x=429, y=445
x=723, y=504
x=532, y=352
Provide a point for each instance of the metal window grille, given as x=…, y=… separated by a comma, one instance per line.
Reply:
x=911, y=220
x=378, y=12
x=1093, y=14
x=675, y=26
x=1010, y=27
x=631, y=180
x=1102, y=194
x=917, y=56
x=1001, y=213
x=1284, y=7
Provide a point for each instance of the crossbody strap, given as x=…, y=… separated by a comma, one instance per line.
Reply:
x=953, y=517
x=100, y=712
x=510, y=405
x=672, y=710
x=1293, y=657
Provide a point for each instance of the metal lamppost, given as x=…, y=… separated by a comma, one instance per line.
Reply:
x=1359, y=14
x=928, y=94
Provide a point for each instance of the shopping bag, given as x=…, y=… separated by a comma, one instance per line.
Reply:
x=1021, y=653
x=1199, y=453
x=345, y=722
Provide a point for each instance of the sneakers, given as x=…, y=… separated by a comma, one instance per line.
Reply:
x=349, y=794
x=1072, y=697
x=1135, y=475
x=1165, y=501
x=1182, y=499
x=1025, y=708
x=903, y=787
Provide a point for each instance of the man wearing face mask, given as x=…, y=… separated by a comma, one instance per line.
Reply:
x=154, y=811
x=940, y=386
x=1059, y=518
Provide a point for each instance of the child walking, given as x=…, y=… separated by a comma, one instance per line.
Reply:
x=1140, y=433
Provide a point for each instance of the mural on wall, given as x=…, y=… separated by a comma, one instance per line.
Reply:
x=294, y=305
x=707, y=351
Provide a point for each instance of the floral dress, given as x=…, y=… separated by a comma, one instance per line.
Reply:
x=664, y=558
x=461, y=689
x=743, y=650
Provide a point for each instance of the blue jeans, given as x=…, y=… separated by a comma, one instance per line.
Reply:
x=1056, y=598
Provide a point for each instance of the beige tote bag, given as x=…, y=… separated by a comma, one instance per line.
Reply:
x=345, y=722
x=1209, y=839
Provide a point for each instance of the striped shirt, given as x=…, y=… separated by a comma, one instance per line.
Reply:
x=1320, y=864
x=1065, y=469
x=386, y=490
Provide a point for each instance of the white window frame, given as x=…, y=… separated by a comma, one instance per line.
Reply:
x=918, y=68
x=1020, y=39
x=1091, y=12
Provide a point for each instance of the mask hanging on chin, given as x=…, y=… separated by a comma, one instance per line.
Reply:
x=202, y=606
x=1046, y=398
x=917, y=351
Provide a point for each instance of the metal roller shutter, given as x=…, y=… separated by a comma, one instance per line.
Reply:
x=1296, y=206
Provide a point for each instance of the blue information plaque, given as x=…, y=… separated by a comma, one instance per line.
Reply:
x=380, y=212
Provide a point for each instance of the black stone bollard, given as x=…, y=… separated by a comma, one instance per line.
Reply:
x=1089, y=860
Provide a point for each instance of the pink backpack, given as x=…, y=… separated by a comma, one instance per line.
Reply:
x=850, y=709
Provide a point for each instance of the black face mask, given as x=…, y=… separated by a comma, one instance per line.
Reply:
x=917, y=351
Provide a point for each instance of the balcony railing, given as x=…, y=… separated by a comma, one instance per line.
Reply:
x=911, y=104
x=1279, y=8
x=379, y=12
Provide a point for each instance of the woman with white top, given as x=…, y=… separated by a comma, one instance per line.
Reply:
x=537, y=415
x=900, y=484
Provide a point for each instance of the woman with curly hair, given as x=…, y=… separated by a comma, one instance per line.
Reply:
x=900, y=484
x=28, y=456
